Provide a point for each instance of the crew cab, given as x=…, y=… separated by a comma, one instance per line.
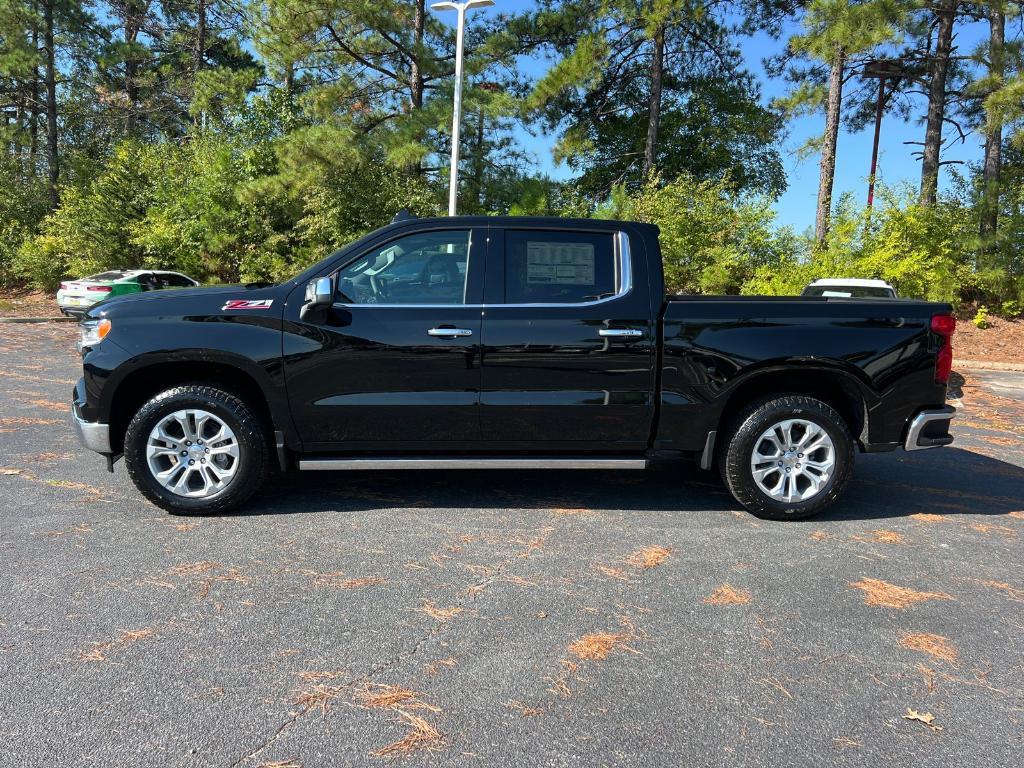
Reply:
x=491, y=342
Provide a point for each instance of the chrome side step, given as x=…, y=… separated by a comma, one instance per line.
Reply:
x=470, y=462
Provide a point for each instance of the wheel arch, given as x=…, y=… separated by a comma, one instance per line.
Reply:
x=149, y=378
x=843, y=390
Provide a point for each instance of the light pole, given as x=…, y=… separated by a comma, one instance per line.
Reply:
x=462, y=7
x=882, y=69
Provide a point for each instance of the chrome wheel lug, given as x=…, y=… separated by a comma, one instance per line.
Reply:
x=184, y=453
x=192, y=461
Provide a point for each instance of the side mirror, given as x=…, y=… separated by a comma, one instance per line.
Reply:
x=319, y=295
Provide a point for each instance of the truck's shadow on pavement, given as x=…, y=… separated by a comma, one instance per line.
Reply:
x=950, y=481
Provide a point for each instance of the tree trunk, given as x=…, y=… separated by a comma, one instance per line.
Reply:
x=199, y=56
x=53, y=168
x=654, y=110
x=33, y=126
x=478, y=161
x=415, y=73
x=416, y=86
x=134, y=17
x=994, y=130
x=826, y=178
x=945, y=12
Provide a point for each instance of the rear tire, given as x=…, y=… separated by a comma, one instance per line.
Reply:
x=192, y=476
x=774, y=482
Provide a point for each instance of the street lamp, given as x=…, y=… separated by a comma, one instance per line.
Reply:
x=462, y=7
x=882, y=70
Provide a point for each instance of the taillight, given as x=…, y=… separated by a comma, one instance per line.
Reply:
x=100, y=288
x=63, y=286
x=944, y=325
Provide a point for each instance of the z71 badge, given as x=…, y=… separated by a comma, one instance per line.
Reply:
x=248, y=304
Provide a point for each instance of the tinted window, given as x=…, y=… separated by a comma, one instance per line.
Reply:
x=426, y=268
x=105, y=276
x=558, y=267
x=176, y=281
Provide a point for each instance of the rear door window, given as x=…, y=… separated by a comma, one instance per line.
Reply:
x=550, y=267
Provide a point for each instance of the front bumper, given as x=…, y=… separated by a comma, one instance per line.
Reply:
x=929, y=429
x=92, y=434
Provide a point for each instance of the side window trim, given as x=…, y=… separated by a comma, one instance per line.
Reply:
x=474, y=267
x=623, y=276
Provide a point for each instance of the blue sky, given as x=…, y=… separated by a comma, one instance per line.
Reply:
x=796, y=207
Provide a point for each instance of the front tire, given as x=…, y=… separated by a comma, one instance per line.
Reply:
x=196, y=450
x=788, y=458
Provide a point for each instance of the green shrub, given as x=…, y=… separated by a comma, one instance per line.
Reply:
x=713, y=239
x=981, y=319
x=1011, y=309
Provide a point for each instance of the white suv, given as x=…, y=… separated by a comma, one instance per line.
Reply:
x=850, y=288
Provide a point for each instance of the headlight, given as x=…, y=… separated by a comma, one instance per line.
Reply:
x=94, y=331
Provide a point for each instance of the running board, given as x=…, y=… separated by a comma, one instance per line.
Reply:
x=493, y=462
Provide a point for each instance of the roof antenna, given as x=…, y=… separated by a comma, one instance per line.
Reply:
x=403, y=215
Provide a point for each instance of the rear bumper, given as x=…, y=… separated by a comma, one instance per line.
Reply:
x=929, y=429
x=68, y=306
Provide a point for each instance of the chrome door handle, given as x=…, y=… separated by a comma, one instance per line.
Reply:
x=627, y=333
x=449, y=333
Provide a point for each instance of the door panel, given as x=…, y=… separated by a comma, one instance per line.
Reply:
x=394, y=376
x=578, y=373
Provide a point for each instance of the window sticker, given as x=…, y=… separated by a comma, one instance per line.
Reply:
x=559, y=263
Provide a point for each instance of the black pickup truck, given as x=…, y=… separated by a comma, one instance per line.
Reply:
x=490, y=342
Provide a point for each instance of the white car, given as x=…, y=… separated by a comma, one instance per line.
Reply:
x=76, y=296
x=850, y=288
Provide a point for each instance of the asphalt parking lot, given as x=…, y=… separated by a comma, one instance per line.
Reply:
x=520, y=618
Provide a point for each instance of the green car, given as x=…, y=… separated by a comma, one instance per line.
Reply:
x=76, y=296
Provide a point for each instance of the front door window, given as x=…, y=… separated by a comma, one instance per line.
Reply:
x=424, y=268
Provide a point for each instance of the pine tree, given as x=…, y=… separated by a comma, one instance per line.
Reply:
x=839, y=35
x=639, y=85
x=945, y=13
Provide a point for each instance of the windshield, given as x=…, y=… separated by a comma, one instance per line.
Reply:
x=105, y=276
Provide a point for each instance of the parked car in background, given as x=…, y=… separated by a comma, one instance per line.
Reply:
x=501, y=342
x=850, y=288
x=76, y=296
